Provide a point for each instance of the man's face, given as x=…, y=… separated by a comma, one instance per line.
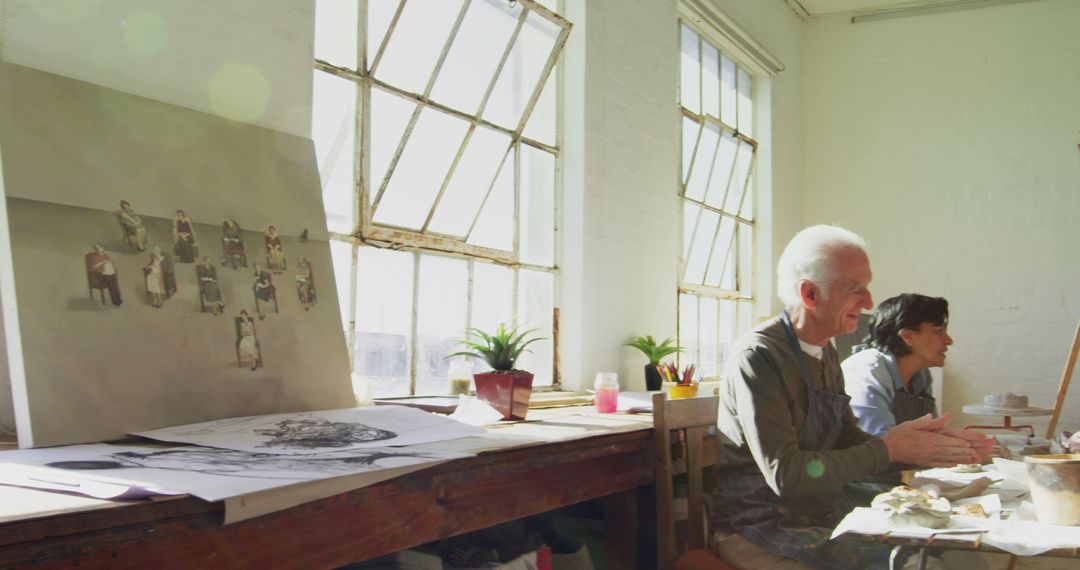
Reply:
x=848, y=295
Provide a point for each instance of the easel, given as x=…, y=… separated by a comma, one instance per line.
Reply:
x=1063, y=387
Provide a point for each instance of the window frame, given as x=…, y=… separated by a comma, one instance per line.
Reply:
x=368, y=233
x=748, y=300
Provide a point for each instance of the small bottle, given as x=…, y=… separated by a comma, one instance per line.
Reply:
x=607, y=392
x=460, y=376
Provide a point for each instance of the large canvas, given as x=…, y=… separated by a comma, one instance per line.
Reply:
x=170, y=266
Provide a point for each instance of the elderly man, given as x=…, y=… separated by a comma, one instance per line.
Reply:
x=791, y=442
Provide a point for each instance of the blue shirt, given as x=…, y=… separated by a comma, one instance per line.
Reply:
x=872, y=378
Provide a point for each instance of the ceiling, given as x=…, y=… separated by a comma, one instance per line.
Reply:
x=817, y=8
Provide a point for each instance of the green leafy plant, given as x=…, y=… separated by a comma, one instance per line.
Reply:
x=500, y=350
x=654, y=352
x=670, y=373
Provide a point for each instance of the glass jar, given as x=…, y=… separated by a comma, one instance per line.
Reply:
x=607, y=392
x=460, y=374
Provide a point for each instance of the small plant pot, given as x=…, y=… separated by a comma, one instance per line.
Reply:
x=508, y=393
x=679, y=391
x=653, y=381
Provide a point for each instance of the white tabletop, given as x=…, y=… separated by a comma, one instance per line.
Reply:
x=983, y=410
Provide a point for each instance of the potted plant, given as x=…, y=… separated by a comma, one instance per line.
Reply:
x=504, y=387
x=655, y=353
x=681, y=385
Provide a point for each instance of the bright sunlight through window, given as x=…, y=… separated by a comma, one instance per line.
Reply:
x=718, y=152
x=436, y=126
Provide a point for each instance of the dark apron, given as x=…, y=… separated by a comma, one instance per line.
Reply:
x=794, y=528
x=907, y=407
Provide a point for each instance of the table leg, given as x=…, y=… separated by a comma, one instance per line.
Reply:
x=620, y=529
x=924, y=555
x=893, y=562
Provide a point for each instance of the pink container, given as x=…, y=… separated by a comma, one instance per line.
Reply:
x=607, y=392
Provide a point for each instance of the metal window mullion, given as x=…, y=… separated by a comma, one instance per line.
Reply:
x=712, y=161
x=517, y=201
x=446, y=48
x=697, y=316
x=446, y=181
x=746, y=181
x=738, y=255
x=720, y=123
x=712, y=247
x=556, y=367
x=350, y=334
x=736, y=97
x=397, y=157
x=515, y=297
x=413, y=248
x=420, y=99
x=427, y=95
x=470, y=269
x=556, y=50
x=716, y=332
x=491, y=188
x=731, y=172
x=502, y=60
x=712, y=292
x=386, y=38
x=414, y=326
x=701, y=77
x=727, y=255
x=362, y=162
x=546, y=13
x=693, y=156
x=716, y=210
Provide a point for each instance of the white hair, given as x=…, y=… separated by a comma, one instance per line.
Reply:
x=811, y=256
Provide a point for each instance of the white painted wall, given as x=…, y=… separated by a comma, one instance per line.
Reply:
x=950, y=143
x=622, y=172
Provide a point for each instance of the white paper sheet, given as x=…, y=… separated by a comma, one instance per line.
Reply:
x=57, y=480
x=209, y=473
x=324, y=431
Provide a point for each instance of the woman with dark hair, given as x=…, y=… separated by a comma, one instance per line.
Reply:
x=888, y=377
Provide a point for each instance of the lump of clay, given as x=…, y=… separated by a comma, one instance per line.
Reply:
x=905, y=506
x=972, y=510
x=1009, y=400
x=967, y=468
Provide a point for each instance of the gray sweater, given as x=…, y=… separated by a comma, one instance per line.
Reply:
x=763, y=404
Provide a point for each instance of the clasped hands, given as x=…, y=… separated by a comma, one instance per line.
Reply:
x=927, y=442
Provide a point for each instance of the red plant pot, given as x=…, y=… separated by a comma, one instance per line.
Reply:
x=507, y=392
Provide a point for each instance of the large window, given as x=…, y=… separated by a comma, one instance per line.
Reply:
x=718, y=152
x=436, y=124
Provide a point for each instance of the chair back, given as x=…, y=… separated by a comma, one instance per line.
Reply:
x=687, y=441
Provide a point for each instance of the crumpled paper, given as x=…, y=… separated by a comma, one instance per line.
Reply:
x=1019, y=534
x=475, y=412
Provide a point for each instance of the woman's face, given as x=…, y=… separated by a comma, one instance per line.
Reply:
x=928, y=343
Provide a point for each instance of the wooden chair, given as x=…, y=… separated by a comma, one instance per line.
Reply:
x=687, y=441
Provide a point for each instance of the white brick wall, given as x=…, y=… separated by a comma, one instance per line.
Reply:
x=950, y=143
x=623, y=280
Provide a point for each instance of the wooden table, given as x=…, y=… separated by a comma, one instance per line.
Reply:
x=446, y=500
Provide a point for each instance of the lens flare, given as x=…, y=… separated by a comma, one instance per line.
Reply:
x=239, y=91
x=815, y=468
